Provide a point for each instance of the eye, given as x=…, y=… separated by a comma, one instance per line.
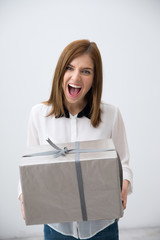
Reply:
x=69, y=68
x=86, y=72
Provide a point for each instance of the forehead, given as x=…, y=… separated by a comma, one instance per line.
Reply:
x=83, y=61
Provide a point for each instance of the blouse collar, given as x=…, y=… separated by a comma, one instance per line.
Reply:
x=84, y=113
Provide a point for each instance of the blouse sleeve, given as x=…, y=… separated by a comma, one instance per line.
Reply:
x=32, y=138
x=121, y=145
x=32, y=133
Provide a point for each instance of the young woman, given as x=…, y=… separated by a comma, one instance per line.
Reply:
x=74, y=112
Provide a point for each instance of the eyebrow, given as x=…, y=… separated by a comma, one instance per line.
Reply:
x=87, y=68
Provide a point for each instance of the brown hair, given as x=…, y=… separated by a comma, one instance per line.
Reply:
x=73, y=50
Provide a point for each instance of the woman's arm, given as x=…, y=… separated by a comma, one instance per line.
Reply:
x=32, y=139
x=22, y=207
x=124, y=193
x=121, y=145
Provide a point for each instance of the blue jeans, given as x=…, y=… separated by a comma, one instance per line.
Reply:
x=109, y=233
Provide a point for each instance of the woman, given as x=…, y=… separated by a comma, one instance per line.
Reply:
x=74, y=112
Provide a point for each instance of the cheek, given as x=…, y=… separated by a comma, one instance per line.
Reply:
x=65, y=79
x=89, y=83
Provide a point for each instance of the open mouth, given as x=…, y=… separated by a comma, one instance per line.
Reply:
x=73, y=90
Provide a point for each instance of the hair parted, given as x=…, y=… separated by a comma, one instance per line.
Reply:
x=71, y=51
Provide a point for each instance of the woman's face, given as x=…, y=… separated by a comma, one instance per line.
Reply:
x=78, y=80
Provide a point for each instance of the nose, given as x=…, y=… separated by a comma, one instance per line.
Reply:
x=76, y=76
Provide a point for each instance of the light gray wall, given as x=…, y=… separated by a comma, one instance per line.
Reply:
x=32, y=35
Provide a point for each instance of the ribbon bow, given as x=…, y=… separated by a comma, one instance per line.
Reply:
x=58, y=152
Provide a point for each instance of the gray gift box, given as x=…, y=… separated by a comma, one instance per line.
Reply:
x=71, y=182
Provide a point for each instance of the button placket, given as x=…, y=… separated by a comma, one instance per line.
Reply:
x=73, y=129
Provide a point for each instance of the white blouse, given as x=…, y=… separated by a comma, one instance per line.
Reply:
x=72, y=129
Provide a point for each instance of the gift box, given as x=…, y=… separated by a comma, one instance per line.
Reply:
x=71, y=182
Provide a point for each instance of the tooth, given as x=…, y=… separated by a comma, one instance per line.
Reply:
x=75, y=86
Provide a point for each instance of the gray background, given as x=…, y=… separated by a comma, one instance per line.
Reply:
x=32, y=35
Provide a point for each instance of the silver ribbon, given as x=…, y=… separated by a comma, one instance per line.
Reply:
x=62, y=152
x=80, y=184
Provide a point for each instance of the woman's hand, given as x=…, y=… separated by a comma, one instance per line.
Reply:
x=124, y=193
x=22, y=207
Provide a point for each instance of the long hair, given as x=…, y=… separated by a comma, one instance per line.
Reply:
x=71, y=51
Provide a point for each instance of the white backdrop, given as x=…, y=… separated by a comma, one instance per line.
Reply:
x=32, y=35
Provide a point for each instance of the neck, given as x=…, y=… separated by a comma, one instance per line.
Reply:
x=75, y=108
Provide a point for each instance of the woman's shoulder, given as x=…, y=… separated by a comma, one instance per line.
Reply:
x=41, y=109
x=109, y=112
x=106, y=107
